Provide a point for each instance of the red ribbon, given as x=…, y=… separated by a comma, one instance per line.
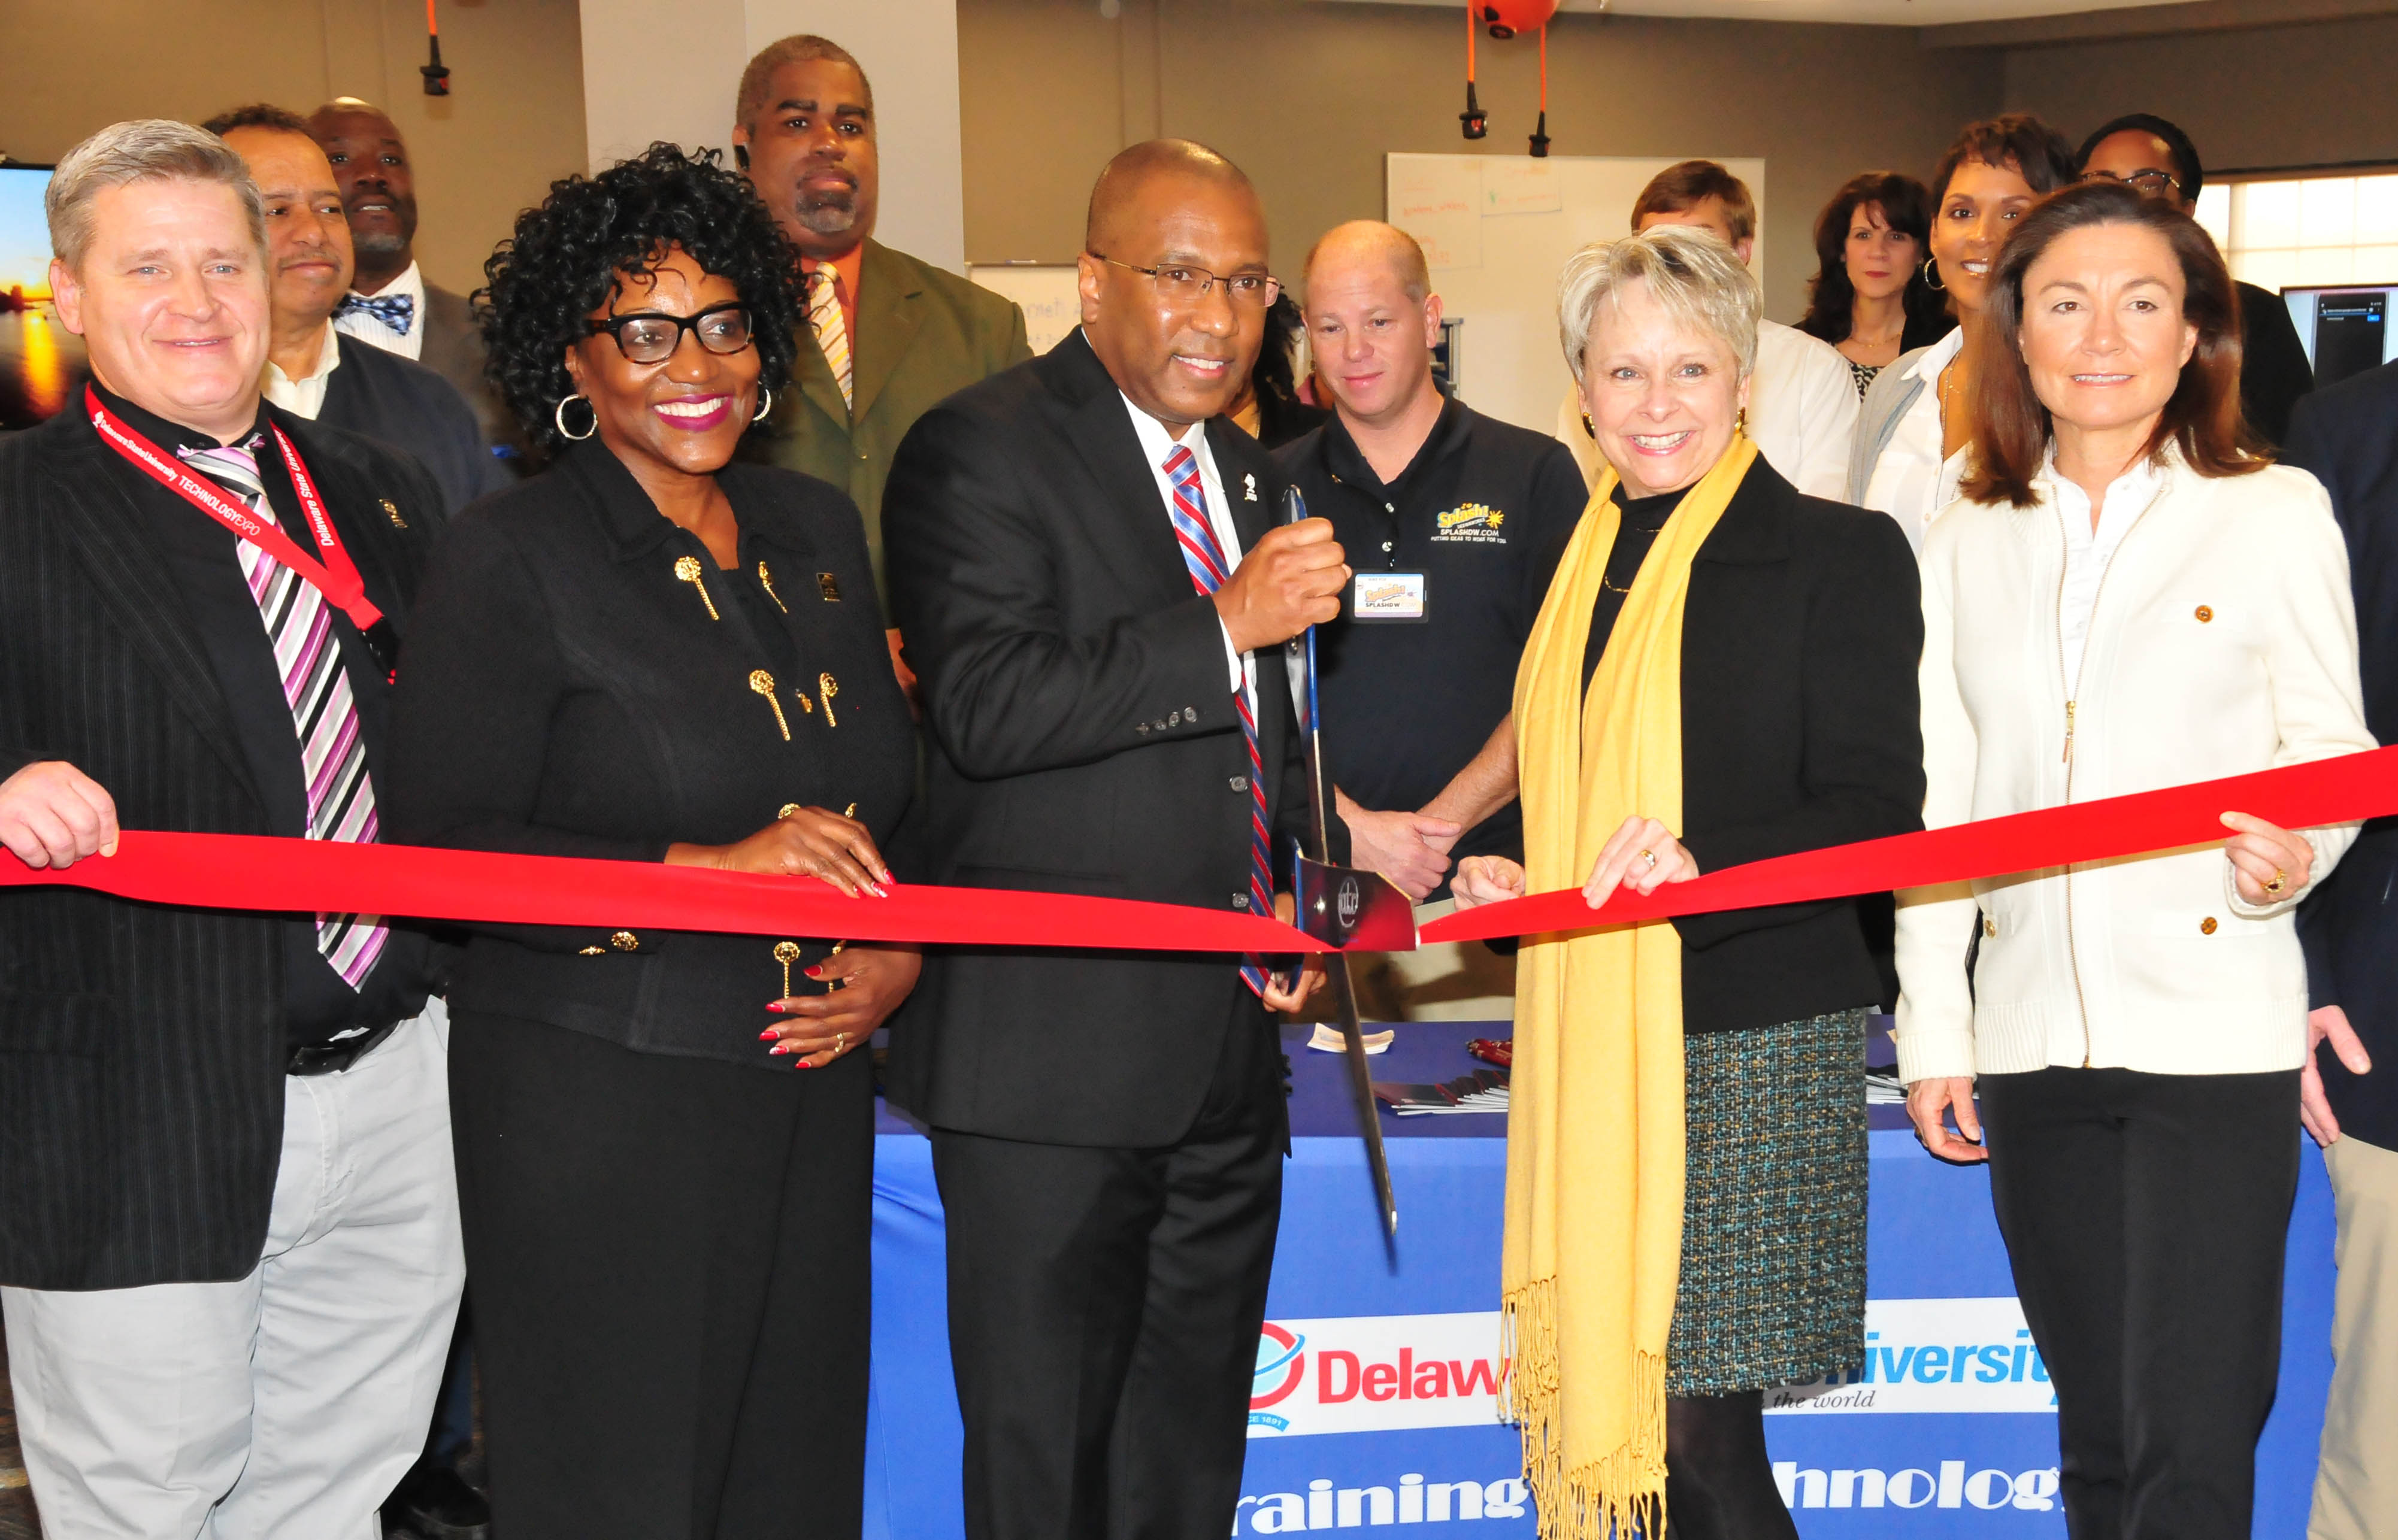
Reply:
x=319, y=876
x=2338, y=790
x=218, y=871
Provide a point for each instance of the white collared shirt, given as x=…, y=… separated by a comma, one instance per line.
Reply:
x=1913, y=481
x=1802, y=410
x=304, y=397
x=366, y=329
x=2088, y=551
x=1157, y=445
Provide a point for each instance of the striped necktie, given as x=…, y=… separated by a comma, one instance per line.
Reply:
x=1204, y=555
x=825, y=319
x=324, y=714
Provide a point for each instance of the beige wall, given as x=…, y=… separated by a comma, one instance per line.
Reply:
x=514, y=123
x=2255, y=97
x=1307, y=96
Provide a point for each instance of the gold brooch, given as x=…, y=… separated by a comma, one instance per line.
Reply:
x=687, y=569
x=763, y=683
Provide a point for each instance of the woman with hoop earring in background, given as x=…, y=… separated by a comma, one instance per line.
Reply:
x=1913, y=431
x=650, y=652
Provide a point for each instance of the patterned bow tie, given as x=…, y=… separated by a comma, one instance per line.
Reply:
x=395, y=311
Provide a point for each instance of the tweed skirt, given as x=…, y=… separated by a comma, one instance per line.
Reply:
x=1773, y=1287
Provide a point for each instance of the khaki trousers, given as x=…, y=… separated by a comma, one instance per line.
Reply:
x=2356, y=1483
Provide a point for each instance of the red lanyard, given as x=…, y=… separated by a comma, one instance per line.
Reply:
x=336, y=576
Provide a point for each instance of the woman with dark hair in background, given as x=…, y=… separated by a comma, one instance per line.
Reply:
x=2128, y=599
x=651, y=653
x=1910, y=453
x=1869, y=297
x=1269, y=408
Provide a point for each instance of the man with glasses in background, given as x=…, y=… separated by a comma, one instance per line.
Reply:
x=2159, y=159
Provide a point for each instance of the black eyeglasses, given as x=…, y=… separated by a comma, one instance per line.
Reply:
x=1181, y=284
x=648, y=337
x=2153, y=182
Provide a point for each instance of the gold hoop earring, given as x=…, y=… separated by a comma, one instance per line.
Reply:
x=1932, y=275
x=559, y=417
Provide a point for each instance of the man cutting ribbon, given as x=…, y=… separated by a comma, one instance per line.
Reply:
x=203, y=1328
x=1081, y=559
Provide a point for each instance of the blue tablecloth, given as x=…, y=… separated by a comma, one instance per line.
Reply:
x=1371, y=1403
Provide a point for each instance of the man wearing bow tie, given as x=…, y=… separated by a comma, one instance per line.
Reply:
x=390, y=304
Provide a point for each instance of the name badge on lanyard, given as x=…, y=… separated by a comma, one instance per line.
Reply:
x=1387, y=597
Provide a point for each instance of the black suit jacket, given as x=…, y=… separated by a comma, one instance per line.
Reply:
x=2347, y=435
x=415, y=412
x=142, y=1047
x=2273, y=368
x=1801, y=729
x=1082, y=740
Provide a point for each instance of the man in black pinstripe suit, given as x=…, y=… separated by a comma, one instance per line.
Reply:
x=229, y=1252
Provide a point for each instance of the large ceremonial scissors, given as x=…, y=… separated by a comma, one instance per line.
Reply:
x=1343, y=907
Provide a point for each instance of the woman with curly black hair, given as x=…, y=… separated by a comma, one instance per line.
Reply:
x=651, y=653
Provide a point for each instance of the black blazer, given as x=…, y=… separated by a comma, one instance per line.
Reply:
x=2347, y=435
x=415, y=412
x=1801, y=729
x=2274, y=373
x=565, y=693
x=1082, y=740
x=141, y=1048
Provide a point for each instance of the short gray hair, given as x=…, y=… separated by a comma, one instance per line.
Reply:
x=146, y=149
x=1700, y=281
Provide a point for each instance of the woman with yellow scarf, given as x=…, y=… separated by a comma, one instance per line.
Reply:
x=1723, y=671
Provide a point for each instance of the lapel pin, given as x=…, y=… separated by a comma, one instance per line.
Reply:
x=828, y=587
x=686, y=570
x=766, y=581
x=1249, y=486
x=391, y=511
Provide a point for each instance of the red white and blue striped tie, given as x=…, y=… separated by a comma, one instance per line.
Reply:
x=1205, y=556
x=324, y=714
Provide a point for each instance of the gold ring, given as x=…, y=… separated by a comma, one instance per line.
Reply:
x=841, y=1043
x=2280, y=881
x=1649, y=857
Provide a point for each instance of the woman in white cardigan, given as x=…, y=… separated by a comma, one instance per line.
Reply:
x=2126, y=599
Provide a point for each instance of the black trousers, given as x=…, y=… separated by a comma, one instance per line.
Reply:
x=670, y=1265
x=2145, y=1218
x=1104, y=1309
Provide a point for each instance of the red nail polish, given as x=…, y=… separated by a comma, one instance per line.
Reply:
x=817, y=971
x=780, y=1047
x=768, y=1036
x=804, y=1064
x=775, y=1006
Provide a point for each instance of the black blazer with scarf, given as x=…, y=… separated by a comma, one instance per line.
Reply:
x=142, y=1047
x=1801, y=729
x=1083, y=739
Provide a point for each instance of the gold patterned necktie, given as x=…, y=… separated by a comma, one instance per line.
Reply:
x=823, y=318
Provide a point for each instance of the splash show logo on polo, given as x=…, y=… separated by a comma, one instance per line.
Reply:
x=1367, y=1373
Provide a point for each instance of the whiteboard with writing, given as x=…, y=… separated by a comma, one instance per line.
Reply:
x=1051, y=307
x=1497, y=230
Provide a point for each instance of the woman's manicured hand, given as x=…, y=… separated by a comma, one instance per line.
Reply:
x=2269, y=863
x=803, y=842
x=1642, y=855
x=866, y=982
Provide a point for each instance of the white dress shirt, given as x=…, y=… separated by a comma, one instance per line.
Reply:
x=1913, y=481
x=366, y=329
x=1157, y=446
x=2087, y=552
x=1802, y=410
x=1803, y=413
x=304, y=397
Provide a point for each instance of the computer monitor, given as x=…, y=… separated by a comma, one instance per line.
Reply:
x=41, y=362
x=2346, y=328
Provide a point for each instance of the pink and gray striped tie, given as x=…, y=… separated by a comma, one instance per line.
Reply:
x=324, y=714
x=1204, y=555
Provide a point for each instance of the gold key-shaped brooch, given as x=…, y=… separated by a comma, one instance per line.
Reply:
x=687, y=569
x=827, y=688
x=786, y=953
x=763, y=683
x=766, y=581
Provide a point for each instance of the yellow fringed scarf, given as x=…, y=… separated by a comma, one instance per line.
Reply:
x=1594, y=1237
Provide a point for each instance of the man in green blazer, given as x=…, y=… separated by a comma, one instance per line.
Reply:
x=887, y=335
